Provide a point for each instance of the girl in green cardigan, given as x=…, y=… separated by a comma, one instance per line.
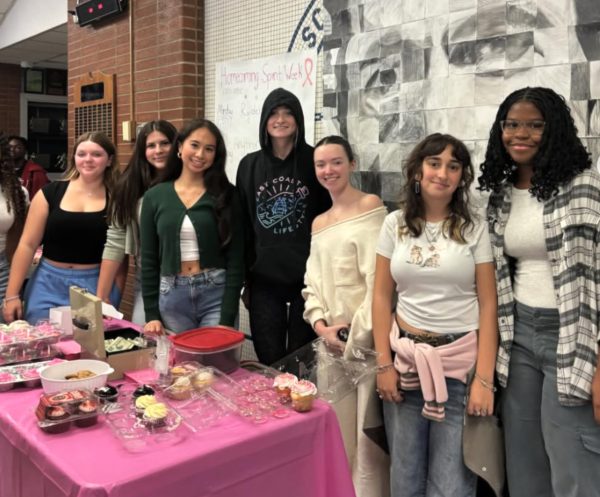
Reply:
x=192, y=239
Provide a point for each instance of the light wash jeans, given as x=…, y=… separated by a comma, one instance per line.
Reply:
x=188, y=302
x=427, y=456
x=551, y=450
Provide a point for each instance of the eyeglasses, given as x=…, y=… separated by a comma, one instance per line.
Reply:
x=510, y=126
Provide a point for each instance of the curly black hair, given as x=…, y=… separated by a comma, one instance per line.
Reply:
x=561, y=154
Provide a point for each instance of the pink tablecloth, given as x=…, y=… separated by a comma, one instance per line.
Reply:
x=300, y=456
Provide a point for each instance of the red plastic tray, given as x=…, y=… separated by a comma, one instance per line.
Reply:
x=208, y=338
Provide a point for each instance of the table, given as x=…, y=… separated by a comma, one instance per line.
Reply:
x=299, y=456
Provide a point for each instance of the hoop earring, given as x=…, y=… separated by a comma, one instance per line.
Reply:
x=179, y=155
x=417, y=187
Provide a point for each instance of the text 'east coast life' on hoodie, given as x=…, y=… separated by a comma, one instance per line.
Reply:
x=280, y=198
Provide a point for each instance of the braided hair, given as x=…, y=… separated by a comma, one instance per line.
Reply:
x=10, y=184
x=561, y=155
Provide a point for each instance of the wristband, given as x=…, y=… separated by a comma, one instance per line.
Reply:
x=8, y=299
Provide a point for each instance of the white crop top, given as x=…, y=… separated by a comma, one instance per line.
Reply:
x=188, y=241
x=524, y=240
x=434, y=275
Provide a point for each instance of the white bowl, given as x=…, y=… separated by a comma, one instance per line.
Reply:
x=53, y=377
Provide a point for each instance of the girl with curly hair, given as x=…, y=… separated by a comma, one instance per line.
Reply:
x=192, y=237
x=69, y=219
x=13, y=209
x=435, y=256
x=149, y=158
x=544, y=221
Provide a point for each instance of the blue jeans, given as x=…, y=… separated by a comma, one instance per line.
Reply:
x=49, y=285
x=551, y=450
x=426, y=456
x=188, y=302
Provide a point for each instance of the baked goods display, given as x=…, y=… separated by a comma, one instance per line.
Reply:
x=303, y=395
x=180, y=389
x=26, y=374
x=56, y=411
x=21, y=342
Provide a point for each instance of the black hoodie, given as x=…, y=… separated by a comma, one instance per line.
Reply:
x=280, y=197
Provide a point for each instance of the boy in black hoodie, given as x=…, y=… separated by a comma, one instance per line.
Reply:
x=280, y=197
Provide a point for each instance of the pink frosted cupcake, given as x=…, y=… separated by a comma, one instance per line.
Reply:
x=303, y=394
x=31, y=377
x=7, y=381
x=283, y=385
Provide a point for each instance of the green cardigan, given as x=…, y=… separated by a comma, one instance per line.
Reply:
x=160, y=226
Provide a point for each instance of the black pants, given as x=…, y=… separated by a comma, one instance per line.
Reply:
x=275, y=332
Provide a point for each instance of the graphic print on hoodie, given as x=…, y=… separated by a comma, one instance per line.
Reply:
x=280, y=197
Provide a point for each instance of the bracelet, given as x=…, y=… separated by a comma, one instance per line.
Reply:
x=384, y=368
x=8, y=299
x=486, y=384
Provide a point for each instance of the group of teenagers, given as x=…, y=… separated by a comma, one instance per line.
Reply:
x=457, y=301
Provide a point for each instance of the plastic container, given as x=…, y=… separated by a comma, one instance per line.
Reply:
x=57, y=411
x=22, y=374
x=217, y=346
x=53, y=377
x=20, y=342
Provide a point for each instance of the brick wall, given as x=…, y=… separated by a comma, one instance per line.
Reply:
x=10, y=89
x=168, y=55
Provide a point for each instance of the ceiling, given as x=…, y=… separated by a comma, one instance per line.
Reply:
x=47, y=49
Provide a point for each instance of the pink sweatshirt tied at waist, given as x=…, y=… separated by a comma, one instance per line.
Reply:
x=427, y=367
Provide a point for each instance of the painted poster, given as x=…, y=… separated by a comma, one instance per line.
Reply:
x=241, y=87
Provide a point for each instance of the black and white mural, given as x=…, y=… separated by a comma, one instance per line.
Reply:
x=397, y=70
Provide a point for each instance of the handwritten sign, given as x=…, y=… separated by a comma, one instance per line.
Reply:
x=241, y=88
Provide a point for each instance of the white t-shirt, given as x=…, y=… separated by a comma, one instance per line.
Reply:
x=434, y=275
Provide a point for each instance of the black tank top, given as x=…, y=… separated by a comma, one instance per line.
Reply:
x=72, y=237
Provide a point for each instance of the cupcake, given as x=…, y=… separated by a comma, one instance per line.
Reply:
x=303, y=394
x=55, y=415
x=31, y=377
x=7, y=381
x=86, y=408
x=283, y=385
x=181, y=389
x=155, y=416
x=203, y=379
x=142, y=403
x=142, y=390
x=107, y=393
x=178, y=372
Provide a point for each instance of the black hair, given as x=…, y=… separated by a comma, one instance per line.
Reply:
x=561, y=155
x=22, y=139
x=215, y=178
x=337, y=140
x=137, y=177
x=11, y=184
x=411, y=203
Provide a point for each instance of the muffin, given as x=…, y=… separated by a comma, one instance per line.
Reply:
x=155, y=416
x=178, y=372
x=203, y=379
x=303, y=394
x=181, y=389
x=283, y=384
x=86, y=408
x=143, y=402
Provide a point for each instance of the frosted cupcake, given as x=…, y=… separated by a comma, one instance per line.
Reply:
x=7, y=381
x=203, y=379
x=142, y=403
x=283, y=385
x=181, y=389
x=155, y=415
x=303, y=394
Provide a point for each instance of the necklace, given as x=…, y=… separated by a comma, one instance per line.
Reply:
x=432, y=234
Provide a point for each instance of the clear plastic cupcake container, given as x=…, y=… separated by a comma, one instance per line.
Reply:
x=57, y=412
x=21, y=342
x=26, y=375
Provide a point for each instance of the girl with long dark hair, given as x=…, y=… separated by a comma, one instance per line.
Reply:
x=192, y=237
x=152, y=148
x=435, y=256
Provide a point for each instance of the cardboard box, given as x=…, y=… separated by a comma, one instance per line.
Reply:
x=88, y=331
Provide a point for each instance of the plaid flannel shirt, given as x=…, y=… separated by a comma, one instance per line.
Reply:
x=572, y=231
